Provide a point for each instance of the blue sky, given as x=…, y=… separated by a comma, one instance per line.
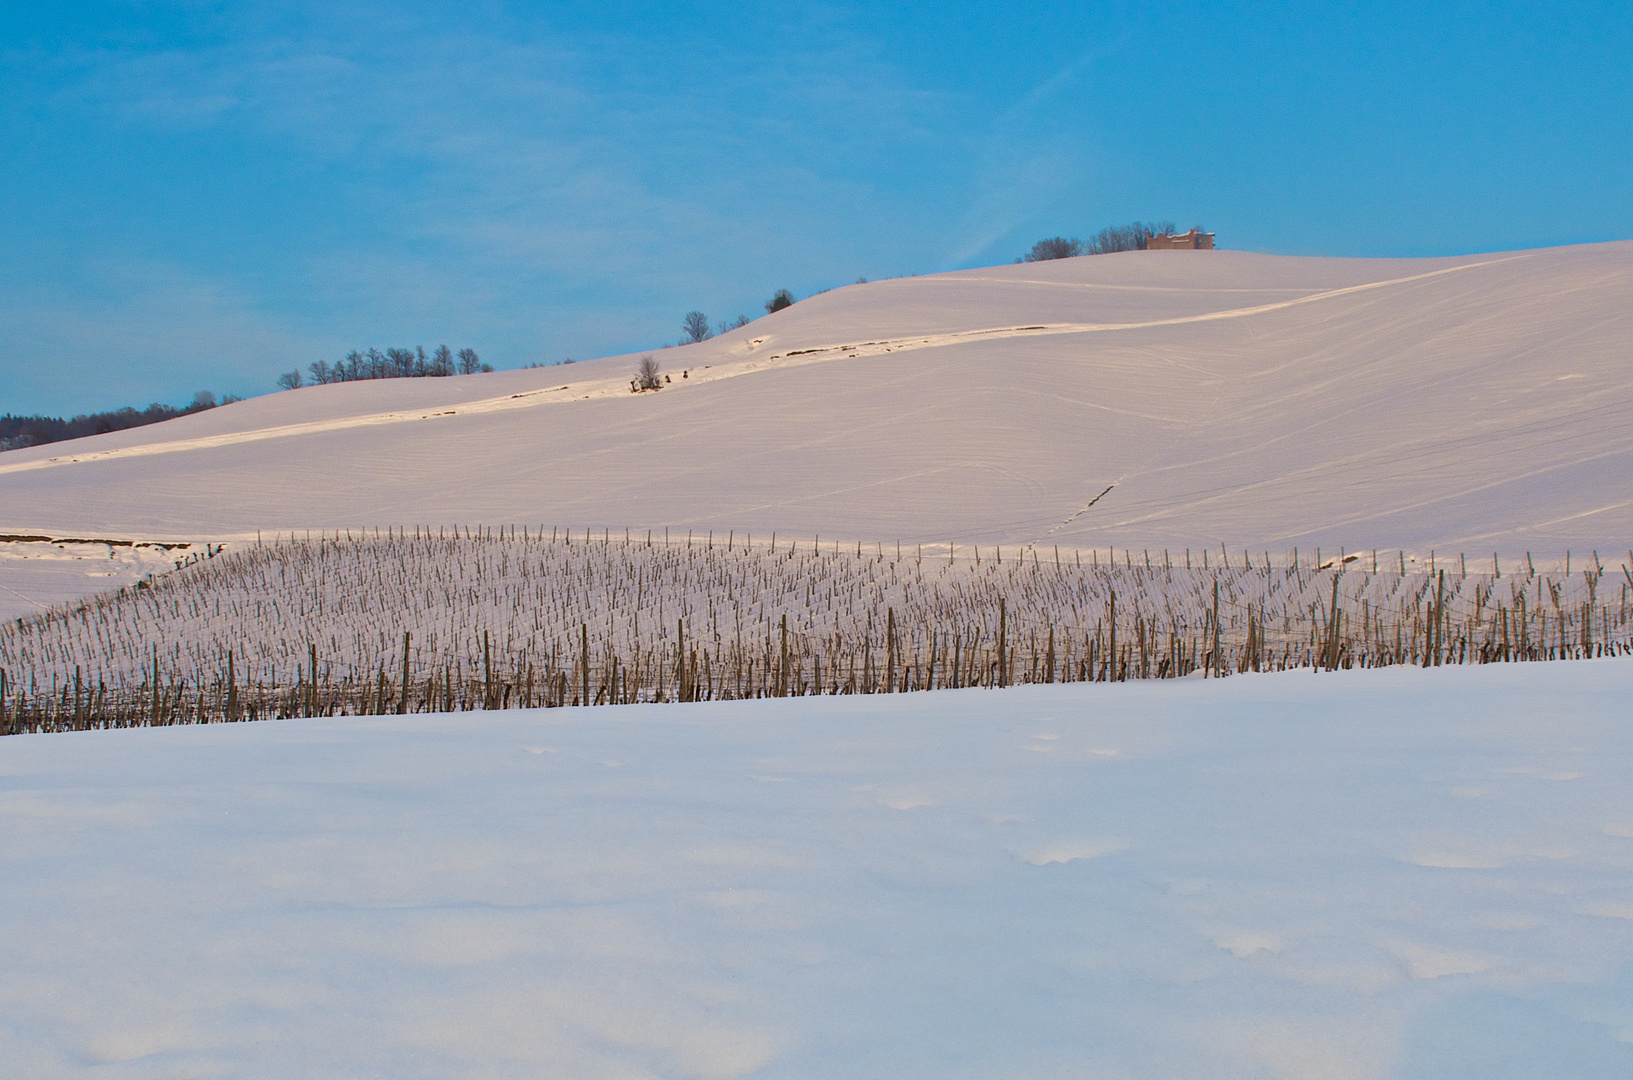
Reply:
x=203, y=195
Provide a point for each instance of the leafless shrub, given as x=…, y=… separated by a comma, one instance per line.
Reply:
x=1130, y=237
x=696, y=327
x=1055, y=247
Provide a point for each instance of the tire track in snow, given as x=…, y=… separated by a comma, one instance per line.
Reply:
x=613, y=386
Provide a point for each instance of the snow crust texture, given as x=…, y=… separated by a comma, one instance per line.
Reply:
x=1144, y=400
x=1385, y=874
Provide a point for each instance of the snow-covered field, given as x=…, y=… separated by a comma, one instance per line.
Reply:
x=1395, y=874
x=1144, y=400
x=36, y=575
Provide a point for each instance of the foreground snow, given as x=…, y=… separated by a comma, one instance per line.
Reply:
x=1394, y=873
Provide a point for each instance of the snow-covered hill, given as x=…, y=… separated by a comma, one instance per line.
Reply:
x=1148, y=399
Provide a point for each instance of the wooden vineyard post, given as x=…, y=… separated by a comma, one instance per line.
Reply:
x=584, y=662
x=232, y=690
x=1213, y=653
x=487, y=674
x=1003, y=668
x=680, y=660
x=1432, y=643
x=1111, y=640
x=402, y=701
x=890, y=648
x=1330, y=659
x=1441, y=622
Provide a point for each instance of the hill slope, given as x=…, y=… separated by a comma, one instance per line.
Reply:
x=1477, y=403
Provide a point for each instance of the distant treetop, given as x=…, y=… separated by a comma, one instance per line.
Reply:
x=1055, y=247
x=17, y=432
x=1130, y=237
x=391, y=364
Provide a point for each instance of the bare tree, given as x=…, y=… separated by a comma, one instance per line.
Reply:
x=1056, y=247
x=729, y=325
x=647, y=375
x=780, y=299
x=399, y=364
x=1130, y=237
x=392, y=364
x=290, y=380
x=696, y=327
x=1117, y=238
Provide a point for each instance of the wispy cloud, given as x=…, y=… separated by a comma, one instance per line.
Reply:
x=1040, y=160
x=504, y=180
x=119, y=328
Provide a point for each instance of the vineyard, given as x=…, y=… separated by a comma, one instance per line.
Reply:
x=441, y=620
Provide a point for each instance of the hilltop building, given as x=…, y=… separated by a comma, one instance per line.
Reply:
x=1189, y=241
